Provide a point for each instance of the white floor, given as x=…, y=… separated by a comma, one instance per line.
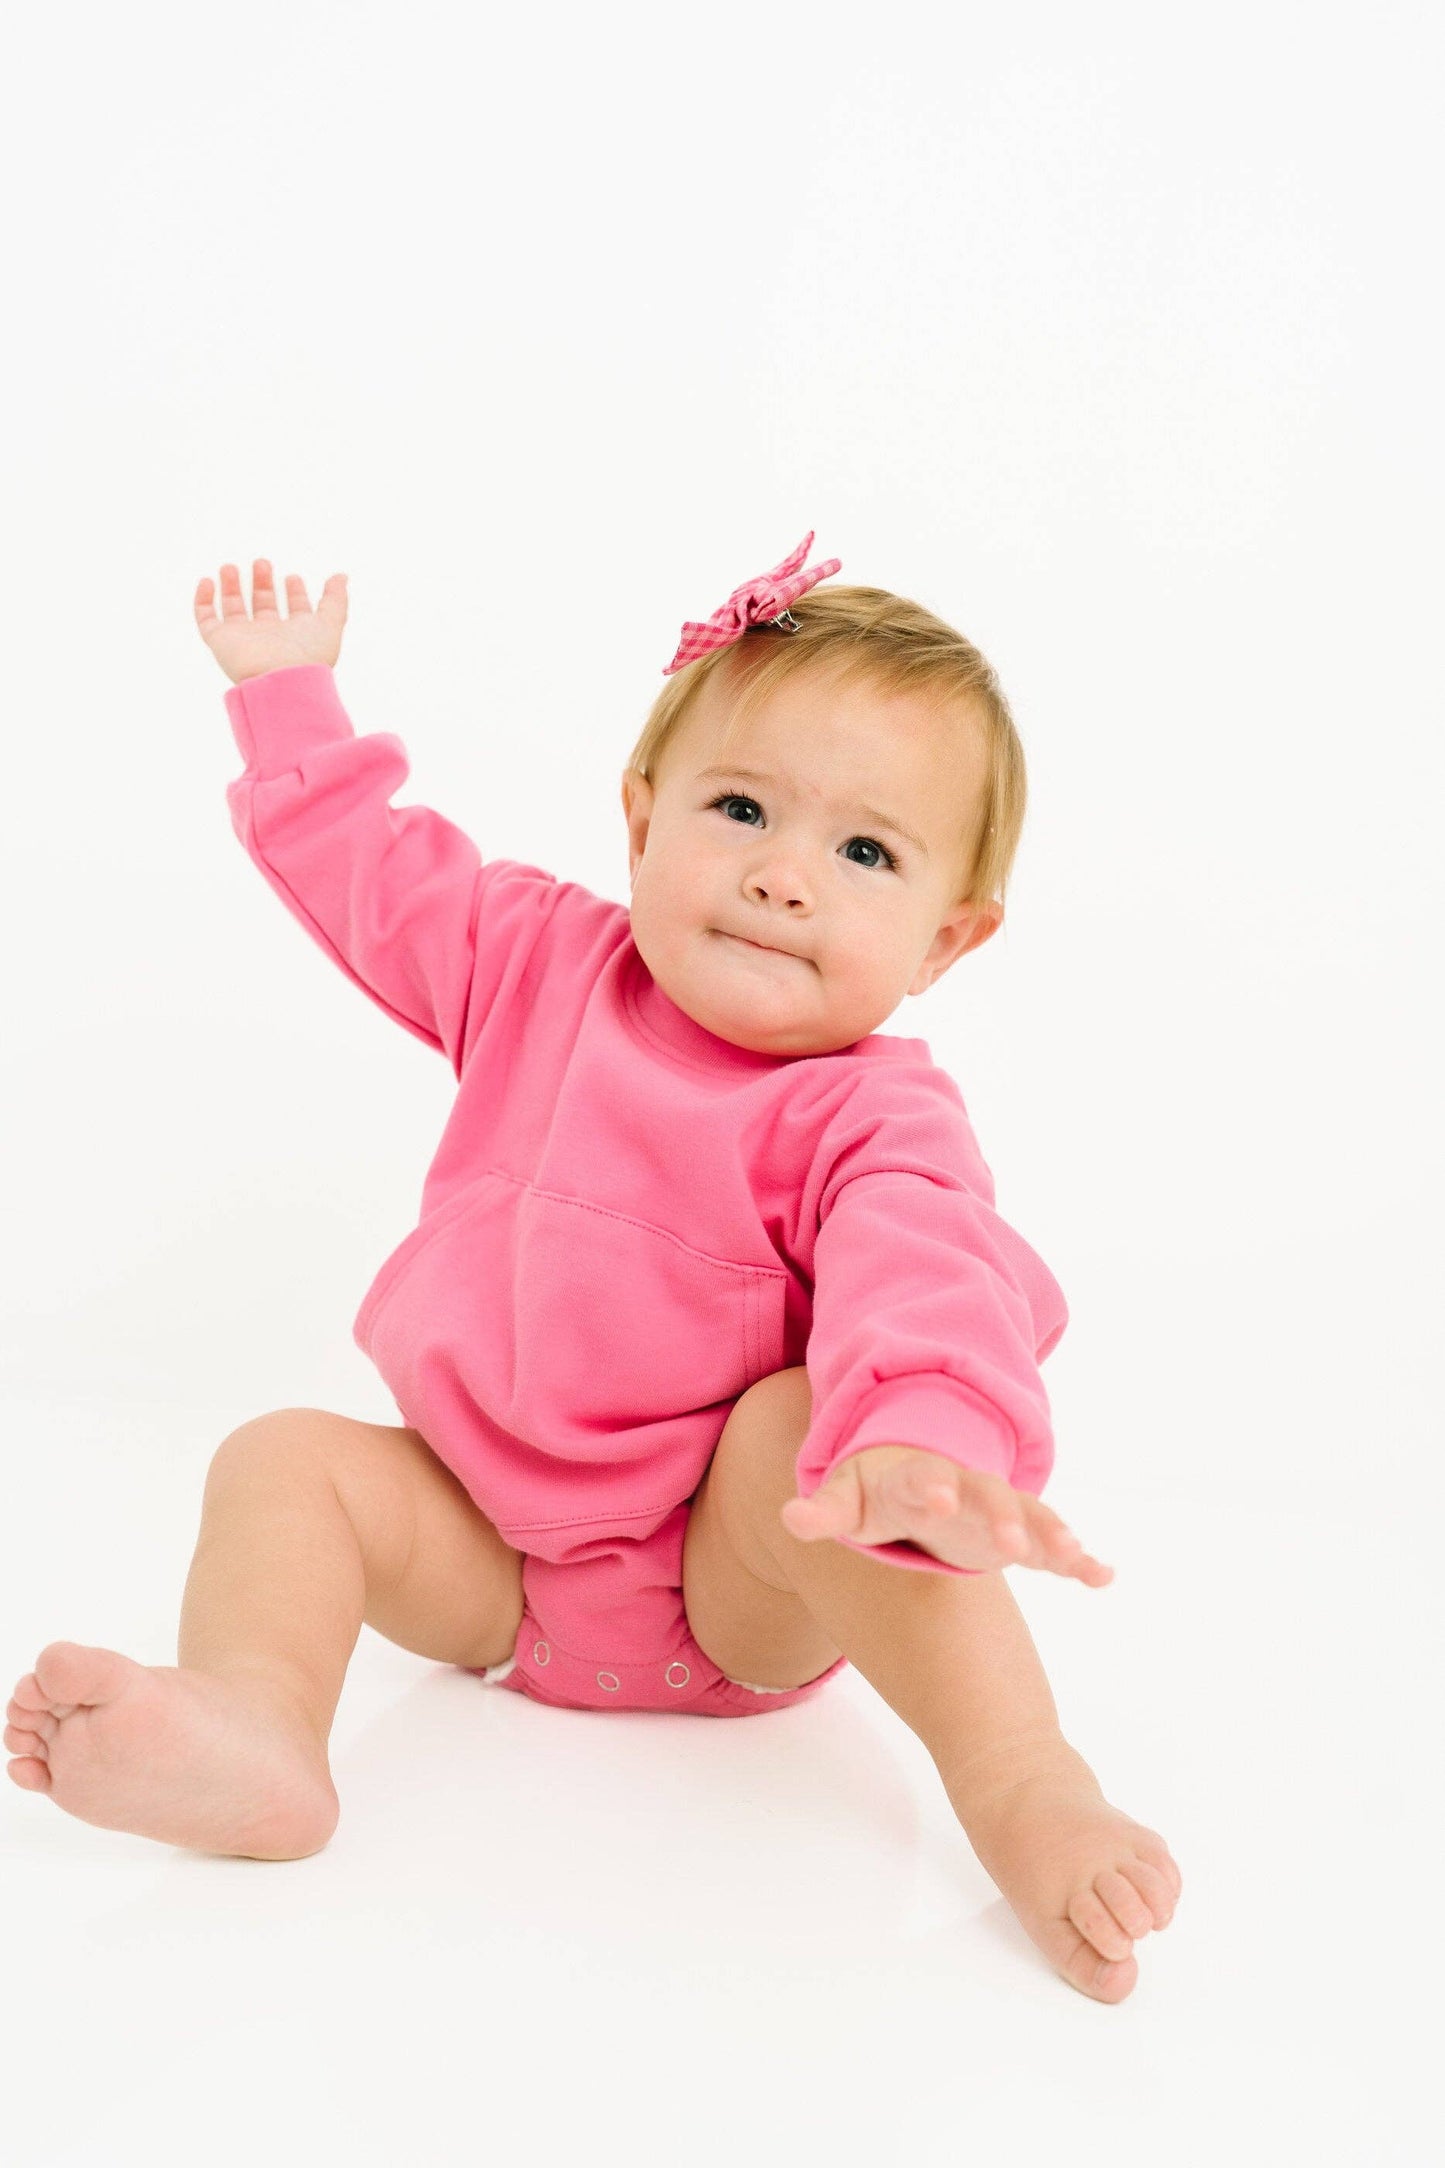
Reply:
x=662, y=1938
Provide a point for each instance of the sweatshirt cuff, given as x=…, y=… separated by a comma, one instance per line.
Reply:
x=940, y=1417
x=284, y=713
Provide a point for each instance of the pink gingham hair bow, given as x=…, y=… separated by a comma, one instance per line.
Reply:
x=763, y=601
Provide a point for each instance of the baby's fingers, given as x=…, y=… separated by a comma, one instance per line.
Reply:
x=263, y=593
x=263, y=589
x=233, y=601
x=1039, y=1538
x=205, y=604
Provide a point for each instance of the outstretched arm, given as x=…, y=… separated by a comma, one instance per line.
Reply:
x=892, y=1493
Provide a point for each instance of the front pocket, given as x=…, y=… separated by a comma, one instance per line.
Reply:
x=620, y=1324
x=574, y=1328
x=392, y=1267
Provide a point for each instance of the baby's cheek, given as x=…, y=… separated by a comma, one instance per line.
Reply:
x=862, y=991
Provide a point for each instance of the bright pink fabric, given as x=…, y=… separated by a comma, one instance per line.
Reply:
x=628, y=1220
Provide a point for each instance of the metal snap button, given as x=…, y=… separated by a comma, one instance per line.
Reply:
x=679, y=1666
x=610, y=1680
x=541, y=1651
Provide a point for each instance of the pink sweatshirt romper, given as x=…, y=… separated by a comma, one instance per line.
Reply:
x=629, y=1221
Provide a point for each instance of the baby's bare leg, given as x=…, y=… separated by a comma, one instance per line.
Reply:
x=311, y=1523
x=953, y=1656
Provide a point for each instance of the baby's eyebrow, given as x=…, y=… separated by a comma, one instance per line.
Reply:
x=867, y=812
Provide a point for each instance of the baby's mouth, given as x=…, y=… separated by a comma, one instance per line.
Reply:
x=761, y=946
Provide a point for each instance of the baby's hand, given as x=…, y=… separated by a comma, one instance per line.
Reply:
x=246, y=647
x=960, y=1515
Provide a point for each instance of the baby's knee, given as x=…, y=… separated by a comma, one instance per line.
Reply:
x=766, y=1429
x=292, y=1433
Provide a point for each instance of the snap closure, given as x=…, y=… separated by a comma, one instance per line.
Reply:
x=610, y=1680
x=541, y=1651
x=679, y=1666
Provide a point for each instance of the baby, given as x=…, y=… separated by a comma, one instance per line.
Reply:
x=719, y=1369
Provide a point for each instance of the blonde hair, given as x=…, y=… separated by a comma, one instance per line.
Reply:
x=853, y=634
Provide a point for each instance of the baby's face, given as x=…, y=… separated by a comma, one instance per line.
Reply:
x=763, y=900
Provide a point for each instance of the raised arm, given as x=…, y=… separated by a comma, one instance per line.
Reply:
x=392, y=894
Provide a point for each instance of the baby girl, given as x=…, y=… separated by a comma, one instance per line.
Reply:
x=718, y=1369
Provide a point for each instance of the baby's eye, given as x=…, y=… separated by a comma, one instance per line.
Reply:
x=885, y=856
x=730, y=798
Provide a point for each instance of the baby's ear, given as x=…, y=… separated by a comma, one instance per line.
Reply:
x=637, y=796
x=636, y=793
x=966, y=927
x=988, y=917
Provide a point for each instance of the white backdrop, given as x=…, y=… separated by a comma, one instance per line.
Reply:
x=1111, y=335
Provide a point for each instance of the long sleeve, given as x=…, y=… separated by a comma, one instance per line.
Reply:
x=391, y=894
x=931, y=1314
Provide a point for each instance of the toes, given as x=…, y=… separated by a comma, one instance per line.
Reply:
x=43, y=1722
x=1124, y=1901
x=29, y=1774
x=1153, y=1888
x=1105, y=1979
x=70, y=1674
x=1113, y=1980
x=1092, y=1917
x=24, y=1742
x=30, y=1702
x=1151, y=1849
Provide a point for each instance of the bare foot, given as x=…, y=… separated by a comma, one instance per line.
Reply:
x=1085, y=1879
x=219, y=1765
